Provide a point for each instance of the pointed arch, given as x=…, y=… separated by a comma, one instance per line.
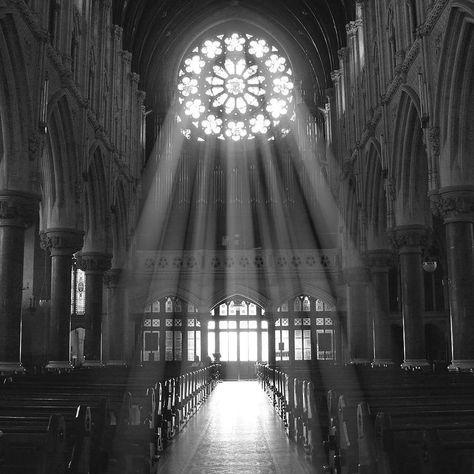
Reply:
x=409, y=166
x=59, y=167
x=96, y=203
x=454, y=105
x=374, y=196
x=16, y=112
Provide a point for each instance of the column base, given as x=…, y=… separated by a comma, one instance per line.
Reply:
x=461, y=366
x=360, y=362
x=382, y=363
x=11, y=368
x=116, y=363
x=416, y=364
x=92, y=364
x=59, y=366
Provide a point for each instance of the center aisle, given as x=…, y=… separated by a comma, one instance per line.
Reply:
x=235, y=431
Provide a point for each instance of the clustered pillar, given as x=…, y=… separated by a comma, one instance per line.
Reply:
x=360, y=340
x=62, y=243
x=94, y=265
x=456, y=206
x=16, y=213
x=380, y=262
x=409, y=240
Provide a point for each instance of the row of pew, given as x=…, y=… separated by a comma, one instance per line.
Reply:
x=375, y=421
x=108, y=420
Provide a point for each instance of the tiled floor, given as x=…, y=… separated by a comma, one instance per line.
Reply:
x=235, y=431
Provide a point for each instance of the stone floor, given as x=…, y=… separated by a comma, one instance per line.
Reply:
x=235, y=431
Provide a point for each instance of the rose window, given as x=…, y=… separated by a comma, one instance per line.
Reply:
x=235, y=87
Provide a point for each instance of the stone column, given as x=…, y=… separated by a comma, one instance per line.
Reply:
x=456, y=205
x=380, y=262
x=409, y=241
x=271, y=338
x=204, y=318
x=62, y=243
x=360, y=332
x=17, y=211
x=113, y=326
x=94, y=265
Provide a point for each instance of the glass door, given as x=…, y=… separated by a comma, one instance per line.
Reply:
x=237, y=333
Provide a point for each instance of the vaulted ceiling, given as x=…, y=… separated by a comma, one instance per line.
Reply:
x=158, y=32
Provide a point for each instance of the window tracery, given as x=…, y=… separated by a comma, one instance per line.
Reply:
x=235, y=86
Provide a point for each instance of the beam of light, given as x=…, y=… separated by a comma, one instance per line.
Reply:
x=253, y=204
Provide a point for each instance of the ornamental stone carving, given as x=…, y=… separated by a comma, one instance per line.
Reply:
x=454, y=204
x=404, y=237
x=17, y=208
x=94, y=262
x=60, y=241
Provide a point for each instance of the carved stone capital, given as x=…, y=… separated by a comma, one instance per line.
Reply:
x=117, y=31
x=134, y=77
x=113, y=277
x=454, y=204
x=380, y=260
x=94, y=262
x=61, y=241
x=17, y=209
x=356, y=275
x=406, y=237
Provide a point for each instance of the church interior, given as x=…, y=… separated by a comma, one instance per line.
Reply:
x=237, y=236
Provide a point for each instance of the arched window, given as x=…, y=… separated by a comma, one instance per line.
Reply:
x=235, y=86
x=297, y=305
x=306, y=304
x=78, y=290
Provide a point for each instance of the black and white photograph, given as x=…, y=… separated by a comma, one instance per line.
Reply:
x=236, y=236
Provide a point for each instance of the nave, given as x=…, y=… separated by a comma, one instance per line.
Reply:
x=236, y=431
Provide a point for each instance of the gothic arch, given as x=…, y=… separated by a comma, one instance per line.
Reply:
x=60, y=167
x=96, y=199
x=310, y=290
x=181, y=293
x=238, y=289
x=374, y=197
x=16, y=113
x=455, y=97
x=410, y=163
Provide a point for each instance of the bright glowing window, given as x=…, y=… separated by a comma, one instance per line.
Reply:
x=78, y=291
x=235, y=86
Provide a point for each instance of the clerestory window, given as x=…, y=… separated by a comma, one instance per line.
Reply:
x=236, y=87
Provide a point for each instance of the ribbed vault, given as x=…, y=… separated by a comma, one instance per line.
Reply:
x=156, y=32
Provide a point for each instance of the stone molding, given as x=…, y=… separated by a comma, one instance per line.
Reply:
x=238, y=261
x=454, y=203
x=61, y=241
x=17, y=208
x=96, y=262
x=433, y=16
x=409, y=237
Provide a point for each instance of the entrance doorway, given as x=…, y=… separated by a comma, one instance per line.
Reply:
x=238, y=336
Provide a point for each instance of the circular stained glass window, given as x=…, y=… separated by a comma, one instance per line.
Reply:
x=235, y=87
